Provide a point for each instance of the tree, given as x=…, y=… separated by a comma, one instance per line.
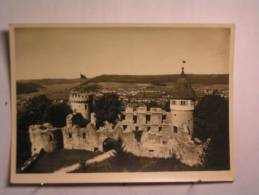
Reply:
x=32, y=113
x=56, y=114
x=211, y=121
x=35, y=109
x=166, y=106
x=107, y=108
x=28, y=87
x=152, y=104
x=79, y=120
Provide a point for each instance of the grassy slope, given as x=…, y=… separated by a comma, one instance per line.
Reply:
x=126, y=162
x=59, y=88
x=158, y=79
x=28, y=87
x=60, y=158
x=123, y=162
x=52, y=88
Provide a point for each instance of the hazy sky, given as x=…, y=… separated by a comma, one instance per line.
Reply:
x=65, y=53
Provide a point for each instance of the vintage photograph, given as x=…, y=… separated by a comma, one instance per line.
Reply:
x=121, y=103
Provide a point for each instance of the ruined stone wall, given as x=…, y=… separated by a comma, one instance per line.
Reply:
x=160, y=141
x=165, y=144
x=44, y=137
x=141, y=115
x=108, y=131
x=129, y=115
x=156, y=116
x=76, y=137
x=153, y=133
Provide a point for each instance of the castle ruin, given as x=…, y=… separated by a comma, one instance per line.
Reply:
x=144, y=132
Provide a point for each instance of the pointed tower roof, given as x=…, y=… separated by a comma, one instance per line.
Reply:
x=183, y=88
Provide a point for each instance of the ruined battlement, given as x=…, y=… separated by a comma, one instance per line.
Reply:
x=182, y=105
x=80, y=101
x=160, y=141
x=143, y=116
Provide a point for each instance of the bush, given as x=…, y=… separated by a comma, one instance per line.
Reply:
x=32, y=113
x=22, y=87
x=211, y=121
x=79, y=120
x=56, y=114
x=37, y=110
x=107, y=108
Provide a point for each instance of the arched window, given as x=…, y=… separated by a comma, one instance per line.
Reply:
x=183, y=102
x=163, y=117
x=135, y=118
x=50, y=138
x=148, y=118
x=84, y=135
x=175, y=129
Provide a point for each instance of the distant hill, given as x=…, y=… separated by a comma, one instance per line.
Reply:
x=35, y=85
x=49, y=81
x=27, y=87
x=160, y=79
x=52, y=87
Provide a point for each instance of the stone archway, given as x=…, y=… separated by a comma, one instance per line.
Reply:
x=110, y=143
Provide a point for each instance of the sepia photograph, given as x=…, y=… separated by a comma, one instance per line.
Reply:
x=121, y=103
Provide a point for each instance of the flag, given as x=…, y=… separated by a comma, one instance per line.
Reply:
x=82, y=76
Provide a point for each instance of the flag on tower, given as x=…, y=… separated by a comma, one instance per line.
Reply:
x=82, y=76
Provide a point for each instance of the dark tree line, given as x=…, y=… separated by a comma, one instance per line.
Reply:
x=27, y=87
x=107, y=108
x=37, y=110
x=153, y=104
x=211, y=121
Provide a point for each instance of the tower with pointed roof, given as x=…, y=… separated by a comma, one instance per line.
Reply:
x=182, y=105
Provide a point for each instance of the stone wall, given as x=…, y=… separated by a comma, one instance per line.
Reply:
x=44, y=137
x=76, y=137
x=156, y=142
x=165, y=144
x=153, y=133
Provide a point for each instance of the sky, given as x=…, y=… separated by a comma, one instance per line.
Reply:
x=69, y=52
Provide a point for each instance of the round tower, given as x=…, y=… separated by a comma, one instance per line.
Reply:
x=182, y=105
x=80, y=102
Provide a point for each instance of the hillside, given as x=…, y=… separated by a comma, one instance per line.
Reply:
x=27, y=87
x=49, y=81
x=160, y=79
x=52, y=88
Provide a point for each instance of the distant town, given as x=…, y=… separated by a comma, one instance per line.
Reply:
x=136, y=94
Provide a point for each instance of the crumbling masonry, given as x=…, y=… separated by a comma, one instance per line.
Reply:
x=148, y=133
